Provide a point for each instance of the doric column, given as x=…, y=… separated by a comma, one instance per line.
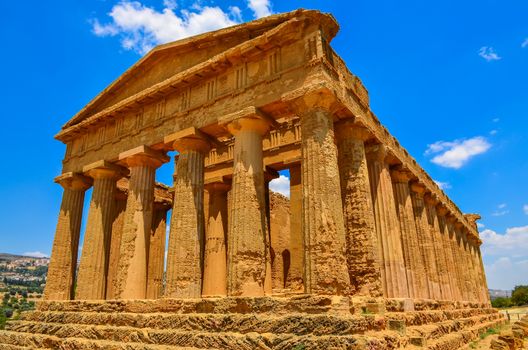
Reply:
x=484, y=286
x=269, y=175
x=446, y=248
x=186, y=240
x=387, y=225
x=156, y=254
x=325, y=264
x=425, y=240
x=215, y=258
x=413, y=258
x=295, y=277
x=457, y=266
x=441, y=262
x=471, y=276
x=461, y=245
x=93, y=268
x=131, y=279
x=63, y=263
x=361, y=241
x=248, y=231
x=117, y=232
x=479, y=274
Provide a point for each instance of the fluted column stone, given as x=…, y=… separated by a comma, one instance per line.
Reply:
x=414, y=262
x=186, y=241
x=446, y=247
x=295, y=277
x=441, y=262
x=425, y=240
x=361, y=241
x=248, y=231
x=325, y=263
x=63, y=263
x=93, y=268
x=115, y=241
x=156, y=254
x=215, y=258
x=131, y=279
x=387, y=224
x=458, y=268
x=466, y=283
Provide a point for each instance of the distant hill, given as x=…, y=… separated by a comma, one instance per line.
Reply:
x=11, y=257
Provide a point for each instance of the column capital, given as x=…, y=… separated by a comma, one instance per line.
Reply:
x=103, y=169
x=376, y=152
x=189, y=139
x=349, y=129
x=451, y=219
x=430, y=198
x=73, y=181
x=401, y=175
x=250, y=118
x=316, y=96
x=418, y=188
x=143, y=156
x=219, y=183
x=441, y=209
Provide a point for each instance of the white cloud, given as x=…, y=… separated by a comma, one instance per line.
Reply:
x=281, y=185
x=480, y=225
x=443, y=185
x=141, y=27
x=501, y=210
x=260, y=8
x=36, y=254
x=488, y=53
x=496, y=120
x=493, y=132
x=504, y=273
x=524, y=43
x=456, y=153
x=525, y=209
x=512, y=243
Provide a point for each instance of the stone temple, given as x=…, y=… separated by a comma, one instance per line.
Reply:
x=369, y=253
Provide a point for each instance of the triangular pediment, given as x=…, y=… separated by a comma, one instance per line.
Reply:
x=164, y=61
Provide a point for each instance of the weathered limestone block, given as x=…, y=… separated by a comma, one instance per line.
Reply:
x=131, y=279
x=440, y=254
x=295, y=276
x=248, y=232
x=156, y=255
x=93, y=268
x=186, y=241
x=325, y=263
x=387, y=224
x=414, y=263
x=215, y=252
x=361, y=241
x=462, y=259
x=425, y=240
x=63, y=263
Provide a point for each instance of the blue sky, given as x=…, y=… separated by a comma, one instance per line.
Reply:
x=448, y=78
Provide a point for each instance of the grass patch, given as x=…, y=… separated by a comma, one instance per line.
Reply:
x=300, y=346
x=488, y=332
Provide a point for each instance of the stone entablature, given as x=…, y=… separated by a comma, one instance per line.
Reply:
x=365, y=217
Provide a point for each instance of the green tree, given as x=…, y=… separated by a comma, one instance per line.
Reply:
x=501, y=302
x=520, y=295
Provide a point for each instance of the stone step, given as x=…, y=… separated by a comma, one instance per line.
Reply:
x=10, y=340
x=305, y=304
x=298, y=324
x=416, y=318
x=200, y=340
x=435, y=331
x=461, y=338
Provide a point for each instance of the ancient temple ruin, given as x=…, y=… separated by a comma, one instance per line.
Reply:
x=373, y=250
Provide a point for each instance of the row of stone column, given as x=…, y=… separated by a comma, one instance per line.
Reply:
x=365, y=227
